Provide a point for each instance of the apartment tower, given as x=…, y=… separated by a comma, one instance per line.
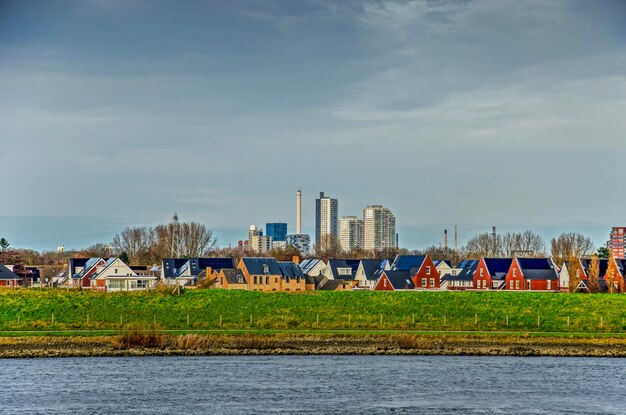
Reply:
x=326, y=217
x=351, y=233
x=379, y=228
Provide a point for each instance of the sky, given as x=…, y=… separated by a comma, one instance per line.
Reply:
x=478, y=113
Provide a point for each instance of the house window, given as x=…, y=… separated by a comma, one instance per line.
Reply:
x=432, y=282
x=511, y=285
x=385, y=283
x=514, y=272
x=344, y=271
x=549, y=284
x=517, y=285
x=423, y=282
x=482, y=272
x=255, y=279
x=276, y=280
x=116, y=270
x=427, y=270
x=267, y=280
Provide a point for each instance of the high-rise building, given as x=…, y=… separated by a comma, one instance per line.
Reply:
x=277, y=230
x=326, y=217
x=261, y=244
x=253, y=231
x=617, y=242
x=379, y=228
x=351, y=233
x=300, y=241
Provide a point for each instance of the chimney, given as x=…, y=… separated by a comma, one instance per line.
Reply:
x=296, y=259
x=456, y=239
x=445, y=239
x=209, y=271
x=298, y=212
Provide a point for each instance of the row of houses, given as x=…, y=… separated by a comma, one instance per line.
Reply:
x=404, y=272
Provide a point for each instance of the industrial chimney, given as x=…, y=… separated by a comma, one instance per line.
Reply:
x=298, y=212
x=445, y=239
x=456, y=239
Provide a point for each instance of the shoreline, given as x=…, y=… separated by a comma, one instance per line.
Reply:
x=154, y=344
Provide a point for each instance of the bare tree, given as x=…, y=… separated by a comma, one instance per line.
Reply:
x=185, y=239
x=137, y=242
x=328, y=247
x=441, y=253
x=570, y=245
x=574, y=269
x=522, y=243
x=484, y=245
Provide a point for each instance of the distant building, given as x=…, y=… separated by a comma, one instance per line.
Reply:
x=253, y=231
x=277, y=230
x=379, y=228
x=326, y=217
x=261, y=244
x=616, y=242
x=301, y=241
x=351, y=233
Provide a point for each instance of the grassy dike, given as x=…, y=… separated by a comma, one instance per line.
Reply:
x=218, y=322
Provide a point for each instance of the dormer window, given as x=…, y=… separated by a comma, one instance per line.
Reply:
x=266, y=269
x=428, y=270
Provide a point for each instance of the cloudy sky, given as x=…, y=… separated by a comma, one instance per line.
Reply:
x=476, y=113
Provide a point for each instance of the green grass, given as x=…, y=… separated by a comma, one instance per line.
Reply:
x=315, y=311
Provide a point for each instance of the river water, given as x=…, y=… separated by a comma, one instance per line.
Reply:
x=313, y=384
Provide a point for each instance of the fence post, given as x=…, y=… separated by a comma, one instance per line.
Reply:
x=538, y=320
x=349, y=318
x=601, y=321
x=220, y=320
x=476, y=319
x=444, y=320
x=121, y=321
x=154, y=319
x=53, y=319
x=507, y=319
x=567, y=321
x=381, y=319
x=87, y=319
x=413, y=318
x=250, y=319
x=18, y=320
x=188, y=320
x=318, y=319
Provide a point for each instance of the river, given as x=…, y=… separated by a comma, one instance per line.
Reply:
x=313, y=384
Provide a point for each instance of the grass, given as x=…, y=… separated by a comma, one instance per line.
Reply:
x=59, y=310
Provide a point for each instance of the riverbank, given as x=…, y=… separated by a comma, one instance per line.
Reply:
x=155, y=344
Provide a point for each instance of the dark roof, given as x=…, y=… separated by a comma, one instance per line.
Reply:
x=603, y=265
x=174, y=267
x=439, y=261
x=86, y=263
x=399, y=280
x=330, y=285
x=353, y=264
x=7, y=274
x=370, y=266
x=262, y=266
x=498, y=267
x=290, y=269
x=234, y=275
x=467, y=271
x=538, y=268
x=406, y=262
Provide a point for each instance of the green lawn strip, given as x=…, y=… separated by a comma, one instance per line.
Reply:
x=60, y=310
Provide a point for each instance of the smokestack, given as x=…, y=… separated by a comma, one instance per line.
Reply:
x=456, y=239
x=298, y=212
x=494, y=239
x=445, y=239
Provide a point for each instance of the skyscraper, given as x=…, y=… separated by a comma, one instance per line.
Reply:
x=277, y=230
x=351, y=233
x=617, y=242
x=326, y=217
x=379, y=228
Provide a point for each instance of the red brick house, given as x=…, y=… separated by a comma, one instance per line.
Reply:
x=532, y=274
x=421, y=268
x=491, y=273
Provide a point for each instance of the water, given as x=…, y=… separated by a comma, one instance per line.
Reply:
x=313, y=384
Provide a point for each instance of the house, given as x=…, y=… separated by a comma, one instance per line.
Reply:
x=394, y=281
x=106, y=274
x=386, y=264
x=462, y=279
x=421, y=268
x=184, y=271
x=614, y=274
x=231, y=279
x=444, y=267
x=116, y=275
x=8, y=278
x=342, y=269
x=267, y=274
x=491, y=273
x=313, y=267
x=82, y=269
x=368, y=273
x=532, y=274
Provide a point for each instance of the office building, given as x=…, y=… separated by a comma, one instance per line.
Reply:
x=277, y=230
x=300, y=241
